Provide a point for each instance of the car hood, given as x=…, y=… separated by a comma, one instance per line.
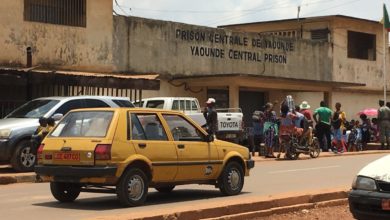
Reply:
x=15, y=123
x=378, y=169
x=236, y=147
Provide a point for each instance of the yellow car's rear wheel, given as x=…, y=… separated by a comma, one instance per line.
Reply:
x=65, y=192
x=132, y=188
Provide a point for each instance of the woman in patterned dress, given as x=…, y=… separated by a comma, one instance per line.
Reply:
x=270, y=129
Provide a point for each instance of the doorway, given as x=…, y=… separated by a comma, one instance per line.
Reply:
x=250, y=101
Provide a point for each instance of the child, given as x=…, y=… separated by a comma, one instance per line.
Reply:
x=354, y=137
x=374, y=127
x=365, y=129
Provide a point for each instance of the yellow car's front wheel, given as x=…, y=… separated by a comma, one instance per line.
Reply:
x=231, y=180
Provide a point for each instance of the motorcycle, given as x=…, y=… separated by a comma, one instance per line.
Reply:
x=293, y=146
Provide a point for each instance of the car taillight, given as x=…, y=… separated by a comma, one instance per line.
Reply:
x=103, y=152
x=40, y=151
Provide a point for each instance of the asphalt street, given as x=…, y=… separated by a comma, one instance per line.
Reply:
x=34, y=200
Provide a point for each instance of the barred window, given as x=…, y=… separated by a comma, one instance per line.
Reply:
x=62, y=12
x=319, y=34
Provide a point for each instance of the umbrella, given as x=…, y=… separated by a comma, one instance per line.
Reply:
x=369, y=112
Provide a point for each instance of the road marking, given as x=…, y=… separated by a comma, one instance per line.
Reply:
x=304, y=169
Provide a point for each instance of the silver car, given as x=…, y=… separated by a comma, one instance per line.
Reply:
x=17, y=127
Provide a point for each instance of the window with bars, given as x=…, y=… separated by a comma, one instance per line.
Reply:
x=319, y=34
x=62, y=12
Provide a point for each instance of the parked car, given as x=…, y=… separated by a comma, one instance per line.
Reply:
x=370, y=194
x=230, y=121
x=17, y=127
x=134, y=149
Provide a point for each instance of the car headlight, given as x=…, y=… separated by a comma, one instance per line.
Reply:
x=364, y=183
x=5, y=133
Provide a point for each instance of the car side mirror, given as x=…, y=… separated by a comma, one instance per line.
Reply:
x=57, y=116
x=210, y=138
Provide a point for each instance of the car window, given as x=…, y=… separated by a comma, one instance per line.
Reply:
x=194, y=106
x=139, y=104
x=146, y=127
x=188, y=105
x=123, y=103
x=94, y=103
x=155, y=104
x=181, y=104
x=70, y=105
x=84, y=124
x=182, y=130
x=33, y=109
x=175, y=105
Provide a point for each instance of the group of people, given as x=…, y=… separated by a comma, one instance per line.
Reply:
x=272, y=130
x=334, y=132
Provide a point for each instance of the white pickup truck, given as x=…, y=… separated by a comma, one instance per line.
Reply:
x=230, y=121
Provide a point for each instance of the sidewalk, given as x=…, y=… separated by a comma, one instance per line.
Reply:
x=322, y=154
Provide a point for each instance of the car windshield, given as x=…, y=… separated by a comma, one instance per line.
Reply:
x=33, y=109
x=84, y=124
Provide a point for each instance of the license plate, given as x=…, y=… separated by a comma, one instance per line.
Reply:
x=386, y=204
x=231, y=136
x=67, y=156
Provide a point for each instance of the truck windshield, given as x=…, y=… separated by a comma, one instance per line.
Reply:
x=33, y=109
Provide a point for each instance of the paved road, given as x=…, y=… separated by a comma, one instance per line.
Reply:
x=34, y=201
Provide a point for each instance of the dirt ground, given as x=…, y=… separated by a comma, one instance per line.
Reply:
x=328, y=213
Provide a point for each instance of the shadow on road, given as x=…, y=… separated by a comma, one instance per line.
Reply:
x=154, y=198
x=6, y=170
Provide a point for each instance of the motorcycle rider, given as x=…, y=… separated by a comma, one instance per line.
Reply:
x=302, y=122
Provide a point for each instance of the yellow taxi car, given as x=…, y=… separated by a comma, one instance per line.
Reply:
x=127, y=150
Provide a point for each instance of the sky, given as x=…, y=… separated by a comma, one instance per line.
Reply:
x=213, y=13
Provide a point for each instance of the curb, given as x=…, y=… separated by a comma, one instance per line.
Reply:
x=18, y=178
x=282, y=210
x=244, y=209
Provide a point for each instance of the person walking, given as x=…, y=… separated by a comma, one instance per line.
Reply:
x=323, y=125
x=211, y=116
x=257, y=136
x=384, y=124
x=270, y=129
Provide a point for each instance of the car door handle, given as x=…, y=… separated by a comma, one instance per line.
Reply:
x=142, y=145
x=181, y=146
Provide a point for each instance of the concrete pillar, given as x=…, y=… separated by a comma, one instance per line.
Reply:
x=234, y=96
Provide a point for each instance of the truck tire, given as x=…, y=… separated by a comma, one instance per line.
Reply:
x=132, y=188
x=231, y=180
x=65, y=192
x=24, y=157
